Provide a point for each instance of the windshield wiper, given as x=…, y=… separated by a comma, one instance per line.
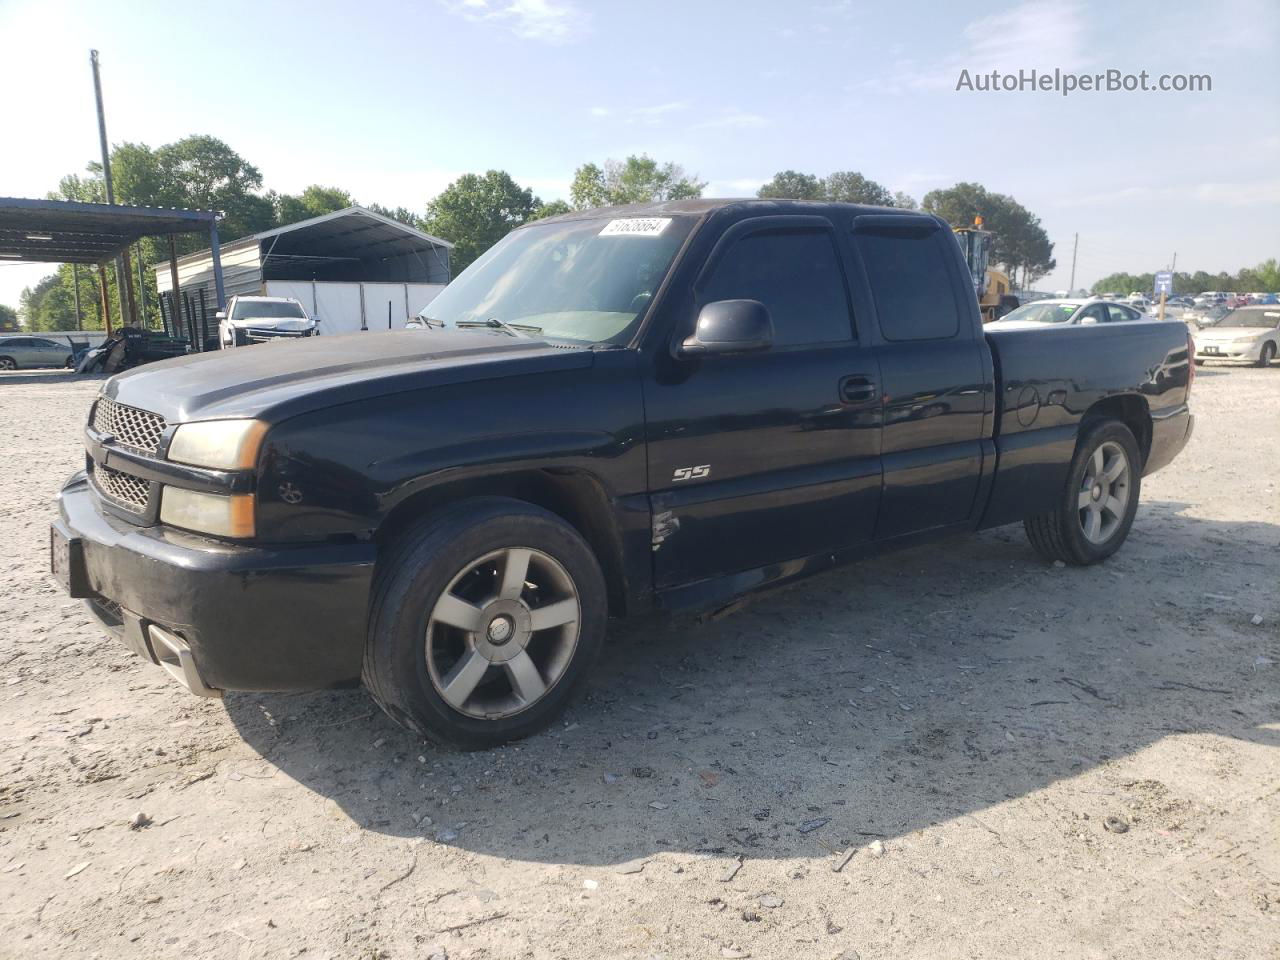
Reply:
x=515, y=329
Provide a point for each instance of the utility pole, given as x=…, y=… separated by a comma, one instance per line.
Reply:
x=123, y=280
x=1075, y=245
x=142, y=291
x=1173, y=269
x=75, y=288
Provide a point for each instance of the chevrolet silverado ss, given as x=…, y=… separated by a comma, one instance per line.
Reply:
x=613, y=411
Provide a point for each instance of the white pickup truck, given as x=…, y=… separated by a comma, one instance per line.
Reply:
x=259, y=319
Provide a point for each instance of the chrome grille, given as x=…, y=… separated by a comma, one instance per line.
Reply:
x=123, y=489
x=130, y=426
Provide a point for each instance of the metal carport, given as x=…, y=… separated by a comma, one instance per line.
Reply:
x=68, y=231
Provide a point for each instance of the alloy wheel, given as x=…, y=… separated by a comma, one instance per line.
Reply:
x=503, y=633
x=1104, y=492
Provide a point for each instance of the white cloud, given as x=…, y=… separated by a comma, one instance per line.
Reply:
x=734, y=120
x=740, y=187
x=1040, y=34
x=1051, y=33
x=660, y=109
x=548, y=21
x=1243, y=193
x=651, y=115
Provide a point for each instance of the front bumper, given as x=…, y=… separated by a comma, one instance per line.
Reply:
x=1227, y=351
x=220, y=616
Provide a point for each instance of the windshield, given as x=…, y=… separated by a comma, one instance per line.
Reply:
x=266, y=310
x=581, y=280
x=1043, y=312
x=1208, y=316
x=1246, y=317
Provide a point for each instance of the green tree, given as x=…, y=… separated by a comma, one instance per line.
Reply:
x=8, y=319
x=843, y=186
x=1021, y=246
x=793, y=185
x=637, y=179
x=552, y=208
x=402, y=214
x=849, y=186
x=1266, y=277
x=314, y=201
x=476, y=211
x=904, y=201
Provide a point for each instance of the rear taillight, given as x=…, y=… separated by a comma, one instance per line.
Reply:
x=1191, y=361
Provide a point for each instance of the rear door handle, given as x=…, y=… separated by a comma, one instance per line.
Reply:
x=858, y=388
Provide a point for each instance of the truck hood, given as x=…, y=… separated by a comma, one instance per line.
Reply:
x=273, y=381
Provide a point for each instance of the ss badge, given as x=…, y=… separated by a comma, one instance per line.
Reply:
x=691, y=473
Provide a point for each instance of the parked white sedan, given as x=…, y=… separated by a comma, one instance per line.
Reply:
x=1062, y=311
x=1246, y=333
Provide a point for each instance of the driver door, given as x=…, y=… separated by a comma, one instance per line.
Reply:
x=771, y=456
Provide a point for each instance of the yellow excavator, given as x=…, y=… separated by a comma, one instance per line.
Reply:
x=993, y=287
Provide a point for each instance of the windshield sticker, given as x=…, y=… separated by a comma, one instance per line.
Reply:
x=635, y=227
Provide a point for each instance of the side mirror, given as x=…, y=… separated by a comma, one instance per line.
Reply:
x=1087, y=320
x=220, y=315
x=730, y=326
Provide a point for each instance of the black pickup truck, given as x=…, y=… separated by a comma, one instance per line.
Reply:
x=610, y=412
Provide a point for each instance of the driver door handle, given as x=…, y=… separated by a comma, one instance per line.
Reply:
x=858, y=388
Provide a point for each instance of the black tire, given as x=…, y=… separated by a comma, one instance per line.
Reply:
x=1267, y=354
x=70, y=364
x=1059, y=535
x=412, y=575
x=8, y=363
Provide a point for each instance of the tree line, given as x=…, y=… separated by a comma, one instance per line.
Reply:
x=473, y=212
x=1264, y=278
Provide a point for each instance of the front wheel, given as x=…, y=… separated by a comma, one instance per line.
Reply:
x=7, y=363
x=485, y=620
x=1100, y=498
x=1267, y=355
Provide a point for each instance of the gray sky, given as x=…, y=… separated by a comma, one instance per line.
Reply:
x=393, y=101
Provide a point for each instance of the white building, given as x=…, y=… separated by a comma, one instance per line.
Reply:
x=354, y=269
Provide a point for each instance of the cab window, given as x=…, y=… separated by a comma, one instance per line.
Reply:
x=796, y=274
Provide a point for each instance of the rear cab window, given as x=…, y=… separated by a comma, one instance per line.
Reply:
x=910, y=279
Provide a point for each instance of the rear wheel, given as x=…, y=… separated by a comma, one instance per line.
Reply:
x=1100, y=498
x=1267, y=355
x=7, y=363
x=484, y=622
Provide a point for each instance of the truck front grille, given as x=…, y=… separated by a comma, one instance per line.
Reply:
x=122, y=489
x=130, y=426
x=255, y=335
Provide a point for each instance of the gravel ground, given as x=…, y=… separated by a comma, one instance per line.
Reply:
x=915, y=757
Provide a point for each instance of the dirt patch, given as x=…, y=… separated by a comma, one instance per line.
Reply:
x=962, y=717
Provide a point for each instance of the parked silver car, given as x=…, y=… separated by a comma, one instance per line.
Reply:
x=20, y=352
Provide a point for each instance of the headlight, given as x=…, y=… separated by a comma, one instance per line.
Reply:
x=208, y=512
x=222, y=444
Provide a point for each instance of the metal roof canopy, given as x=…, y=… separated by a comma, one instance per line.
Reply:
x=350, y=236
x=67, y=231
x=353, y=233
